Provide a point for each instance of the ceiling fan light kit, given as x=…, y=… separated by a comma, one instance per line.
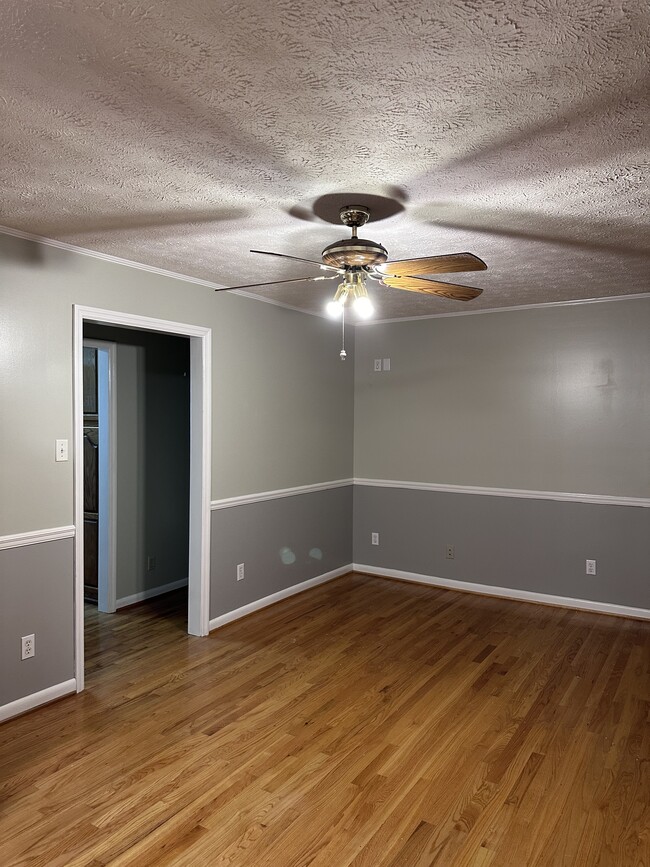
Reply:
x=353, y=289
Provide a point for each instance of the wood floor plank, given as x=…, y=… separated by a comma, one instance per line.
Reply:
x=365, y=723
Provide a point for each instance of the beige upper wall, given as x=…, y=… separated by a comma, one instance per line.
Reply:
x=548, y=399
x=282, y=400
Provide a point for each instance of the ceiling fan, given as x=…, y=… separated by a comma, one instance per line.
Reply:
x=354, y=259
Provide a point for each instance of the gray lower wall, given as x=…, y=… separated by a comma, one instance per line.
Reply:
x=36, y=597
x=282, y=542
x=522, y=544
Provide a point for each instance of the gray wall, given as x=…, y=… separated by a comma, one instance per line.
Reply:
x=532, y=545
x=550, y=399
x=153, y=453
x=130, y=469
x=282, y=400
x=281, y=542
x=553, y=399
x=36, y=597
x=282, y=413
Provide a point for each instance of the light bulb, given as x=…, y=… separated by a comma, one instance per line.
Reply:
x=334, y=309
x=363, y=307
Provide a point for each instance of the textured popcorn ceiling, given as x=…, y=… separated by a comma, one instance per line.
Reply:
x=181, y=134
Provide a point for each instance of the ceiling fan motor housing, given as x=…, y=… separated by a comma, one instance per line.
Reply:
x=354, y=253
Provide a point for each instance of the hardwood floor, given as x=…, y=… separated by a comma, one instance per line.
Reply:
x=366, y=722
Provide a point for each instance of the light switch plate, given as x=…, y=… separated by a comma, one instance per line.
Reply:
x=61, y=450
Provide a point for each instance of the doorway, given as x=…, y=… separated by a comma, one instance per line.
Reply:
x=199, y=461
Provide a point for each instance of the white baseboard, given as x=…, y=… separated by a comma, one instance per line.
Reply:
x=149, y=594
x=36, y=699
x=216, y=622
x=507, y=592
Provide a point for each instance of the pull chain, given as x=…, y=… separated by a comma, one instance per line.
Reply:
x=343, y=353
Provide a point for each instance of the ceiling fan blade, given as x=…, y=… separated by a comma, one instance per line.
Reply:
x=276, y=282
x=298, y=259
x=433, y=287
x=433, y=265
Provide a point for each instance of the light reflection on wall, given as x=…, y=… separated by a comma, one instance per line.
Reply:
x=288, y=558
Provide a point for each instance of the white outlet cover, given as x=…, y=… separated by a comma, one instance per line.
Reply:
x=28, y=646
x=374, y=538
x=377, y=367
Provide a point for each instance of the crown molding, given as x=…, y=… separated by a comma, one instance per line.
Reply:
x=199, y=281
x=541, y=305
x=151, y=269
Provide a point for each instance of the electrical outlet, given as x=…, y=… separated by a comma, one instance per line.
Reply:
x=374, y=538
x=151, y=563
x=240, y=571
x=590, y=567
x=450, y=553
x=377, y=365
x=61, y=450
x=28, y=646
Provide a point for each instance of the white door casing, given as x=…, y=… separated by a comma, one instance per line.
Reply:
x=200, y=459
